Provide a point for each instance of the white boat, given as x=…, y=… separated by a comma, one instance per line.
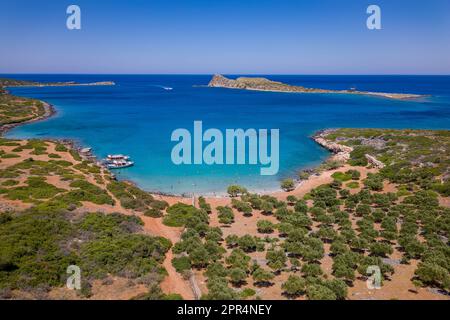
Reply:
x=112, y=157
x=119, y=164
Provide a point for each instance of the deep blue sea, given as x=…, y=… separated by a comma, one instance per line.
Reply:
x=137, y=117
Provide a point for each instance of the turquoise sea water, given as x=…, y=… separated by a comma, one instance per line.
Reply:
x=137, y=117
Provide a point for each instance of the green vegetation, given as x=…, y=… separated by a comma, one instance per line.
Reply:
x=225, y=214
x=341, y=176
x=288, y=184
x=235, y=190
x=131, y=197
x=15, y=110
x=352, y=185
x=36, y=248
x=179, y=214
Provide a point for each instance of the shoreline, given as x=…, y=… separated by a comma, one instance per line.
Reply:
x=50, y=111
x=395, y=96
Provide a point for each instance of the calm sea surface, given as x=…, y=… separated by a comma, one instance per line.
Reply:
x=137, y=116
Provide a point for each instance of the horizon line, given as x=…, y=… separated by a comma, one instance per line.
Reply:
x=253, y=74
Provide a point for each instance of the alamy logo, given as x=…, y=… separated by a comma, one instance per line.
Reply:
x=190, y=149
x=74, y=20
x=374, y=280
x=374, y=20
x=74, y=280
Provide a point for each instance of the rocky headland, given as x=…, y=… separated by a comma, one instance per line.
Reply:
x=263, y=84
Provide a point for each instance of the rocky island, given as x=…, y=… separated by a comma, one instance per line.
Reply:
x=263, y=84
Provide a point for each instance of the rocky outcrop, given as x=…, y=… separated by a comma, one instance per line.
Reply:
x=341, y=153
x=374, y=162
x=222, y=82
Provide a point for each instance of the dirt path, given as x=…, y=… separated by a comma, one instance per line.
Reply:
x=173, y=282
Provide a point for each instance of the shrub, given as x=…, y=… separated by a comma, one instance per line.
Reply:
x=247, y=292
x=236, y=190
x=60, y=148
x=340, y=176
x=294, y=286
x=181, y=264
x=288, y=184
x=262, y=277
x=237, y=276
x=352, y=185
x=320, y=292
x=178, y=214
x=154, y=213
x=225, y=214
x=265, y=226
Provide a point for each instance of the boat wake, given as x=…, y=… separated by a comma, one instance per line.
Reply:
x=162, y=87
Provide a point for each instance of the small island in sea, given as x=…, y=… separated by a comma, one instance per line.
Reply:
x=263, y=84
x=381, y=200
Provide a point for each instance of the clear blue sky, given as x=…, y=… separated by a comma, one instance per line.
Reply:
x=225, y=36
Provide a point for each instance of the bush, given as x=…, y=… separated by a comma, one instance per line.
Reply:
x=236, y=190
x=203, y=205
x=320, y=292
x=288, y=184
x=352, y=185
x=265, y=226
x=262, y=277
x=374, y=182
x=237, y=276
x=294, y=286
x=154, y=213
x=247, y=292
x=181, y=264
x=434, y=275
x=342, y=177
x=178, y=215
x=225, y=214
x=60, y=148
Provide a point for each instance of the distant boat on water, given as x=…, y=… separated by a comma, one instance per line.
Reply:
x=163, y=87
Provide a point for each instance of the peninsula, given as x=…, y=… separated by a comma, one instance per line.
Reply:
x=23, y=83
x=263, y=84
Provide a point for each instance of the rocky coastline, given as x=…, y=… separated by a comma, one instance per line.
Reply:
x=49, y=112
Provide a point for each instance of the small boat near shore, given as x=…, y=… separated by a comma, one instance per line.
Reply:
x=119, y=164
x=112, y=157
x=118, y=161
